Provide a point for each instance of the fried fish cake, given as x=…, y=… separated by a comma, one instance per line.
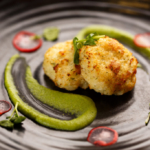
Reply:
x=58, y=65
x=108, y=67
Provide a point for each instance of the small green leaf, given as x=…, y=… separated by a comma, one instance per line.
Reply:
x=51, y=34
x=13, y=118
x=35, y=37
x=19, y=119
x=147, y=120
x=76, y=54
x=90, y=40
x=6, y=124
x=77, y=44
x=139, y=65
x=8, y=117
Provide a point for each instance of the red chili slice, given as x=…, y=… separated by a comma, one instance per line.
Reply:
x=5, y=106
x=23, y=42
x=102, y=136
x=142, y=40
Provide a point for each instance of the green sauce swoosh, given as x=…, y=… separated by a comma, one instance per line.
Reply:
x=120, y=35
x=83, y=107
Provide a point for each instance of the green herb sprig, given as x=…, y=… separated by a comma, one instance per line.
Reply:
x=139, y=65
x=50, y=34
x=147, y=119
x=89, y=40
x=13, y=119
x=36, y=37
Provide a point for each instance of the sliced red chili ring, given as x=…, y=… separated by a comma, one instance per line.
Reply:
x=23, y=42
x=142, y=40
x=102, y=136
x=5, y=106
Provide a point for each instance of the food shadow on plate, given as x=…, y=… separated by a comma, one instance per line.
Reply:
x=20, y=129
x=106, y=105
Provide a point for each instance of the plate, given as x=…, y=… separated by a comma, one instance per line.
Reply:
x=126, y=114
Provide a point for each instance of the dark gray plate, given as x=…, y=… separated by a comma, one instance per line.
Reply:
x=126, y=113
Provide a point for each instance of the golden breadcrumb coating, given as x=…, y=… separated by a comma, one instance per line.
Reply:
x=107, y=67
x=59, y=67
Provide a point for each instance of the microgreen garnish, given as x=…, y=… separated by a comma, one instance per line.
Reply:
x=89, y=40
x=139, y=65
x=51, y=33
x=77, y=45
x=7, y=124
x=147, y=119
x=36, y=37
x=13, y=119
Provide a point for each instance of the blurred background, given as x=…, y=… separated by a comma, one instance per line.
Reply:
x=10, y=8
x=129, y=7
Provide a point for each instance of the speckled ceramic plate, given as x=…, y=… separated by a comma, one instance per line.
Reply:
x=126, y=114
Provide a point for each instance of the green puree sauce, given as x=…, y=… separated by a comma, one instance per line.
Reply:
x=83, y=107
x=120, y=35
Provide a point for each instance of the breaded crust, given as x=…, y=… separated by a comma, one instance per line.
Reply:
x=108, y=67
x=58, y=65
